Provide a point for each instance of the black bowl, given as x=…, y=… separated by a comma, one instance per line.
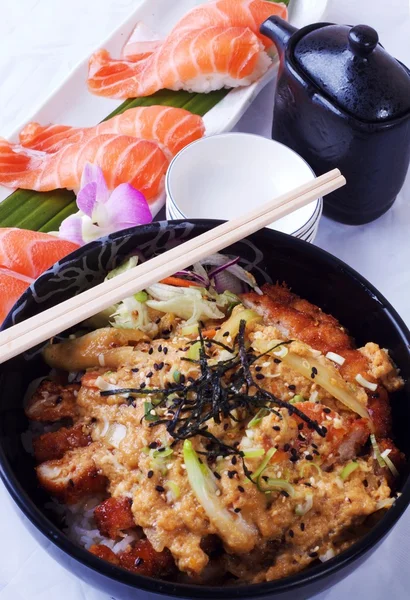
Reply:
x=312, y=273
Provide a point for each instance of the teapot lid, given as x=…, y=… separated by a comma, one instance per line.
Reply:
x=355, y=71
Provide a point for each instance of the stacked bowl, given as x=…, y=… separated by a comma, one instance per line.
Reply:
x=225, y=176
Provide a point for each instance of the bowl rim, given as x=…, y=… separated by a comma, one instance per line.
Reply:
x=185, y=590
x=170, y=197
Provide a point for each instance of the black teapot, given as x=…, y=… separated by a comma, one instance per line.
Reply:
x=342, y=101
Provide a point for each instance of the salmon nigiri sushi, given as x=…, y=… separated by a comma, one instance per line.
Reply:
x=24, y=256
x=198, y=61
x=123, y=159
x=30, y=253
x=172, y=128
x=219, y=13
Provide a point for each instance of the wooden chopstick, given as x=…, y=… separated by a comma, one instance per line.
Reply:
x=45, y=325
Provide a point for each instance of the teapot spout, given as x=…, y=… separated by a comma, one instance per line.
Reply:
x=279, y=31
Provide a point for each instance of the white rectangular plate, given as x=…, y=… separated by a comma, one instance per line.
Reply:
x=72, y=104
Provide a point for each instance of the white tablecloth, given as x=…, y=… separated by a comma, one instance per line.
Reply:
x=40, y=42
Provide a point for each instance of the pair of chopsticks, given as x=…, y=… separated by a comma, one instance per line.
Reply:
x=45, y=325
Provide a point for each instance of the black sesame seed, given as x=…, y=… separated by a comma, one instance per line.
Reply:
x=302, y=527
x=159, y=488
x=313, y=554
x=162, y=449
x=324, y=429
x=316, y=452
x=365, y=483
x=314, y=445
x=71, y=482
x=276, y=427
x=138, y=561
x=150, y=474
x=294, y=458
x=291, y=533
x=259, y=376
x=286, y=447
x=237, y=510
x=160, y=366
x=151, y=350
x=226, y=425
x=257, y=369
x=277, y=361
x=166, y=331
x=158, y=321
x=160, y=348
x=307, y=484
x=153, y=445
x=285, y=494
x=293, y=451
x=225, y=334
x=309, y=457
x=300, y=426
x=135, y=370
x=182, y=378
x=94, y=420
x=292, y=387
x=149, y=375
x=217, y=475
x=155, y=367
x=59, y=400
x=301, y=438
x=234, y=460
x=327, y=410
x=165, y=350
x=231, y=474
x=241, y=489
x=142, y=385
x=208, y=344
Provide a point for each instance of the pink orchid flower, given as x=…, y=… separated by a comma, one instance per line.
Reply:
x=102, y=212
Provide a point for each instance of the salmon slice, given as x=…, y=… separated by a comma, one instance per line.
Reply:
x=30, y=253
x=172, y=128
x=220, y=13
x=12, y=286
x=123, y=159
x=198, y=61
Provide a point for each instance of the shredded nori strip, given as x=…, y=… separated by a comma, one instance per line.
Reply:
x=220, y=389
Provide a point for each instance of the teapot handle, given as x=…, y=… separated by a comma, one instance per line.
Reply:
x=279, y=31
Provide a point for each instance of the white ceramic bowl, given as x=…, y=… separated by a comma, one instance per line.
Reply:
x=226, y=175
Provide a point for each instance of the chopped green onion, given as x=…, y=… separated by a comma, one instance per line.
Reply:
x=162, y=454
x=176, y=376
x=258, y=417
x=376, y=451
x=253, y=453
x=263, y=464
x=141, y=296
x=296, y=399
x=270, y=485
x=148, y=416
x=174, y=489
x=193, y=352
x=348, y=470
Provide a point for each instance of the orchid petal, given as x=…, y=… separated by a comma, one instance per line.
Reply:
x=93, y=174
x=87, y=198
x=127, y=207
x=71, y=229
